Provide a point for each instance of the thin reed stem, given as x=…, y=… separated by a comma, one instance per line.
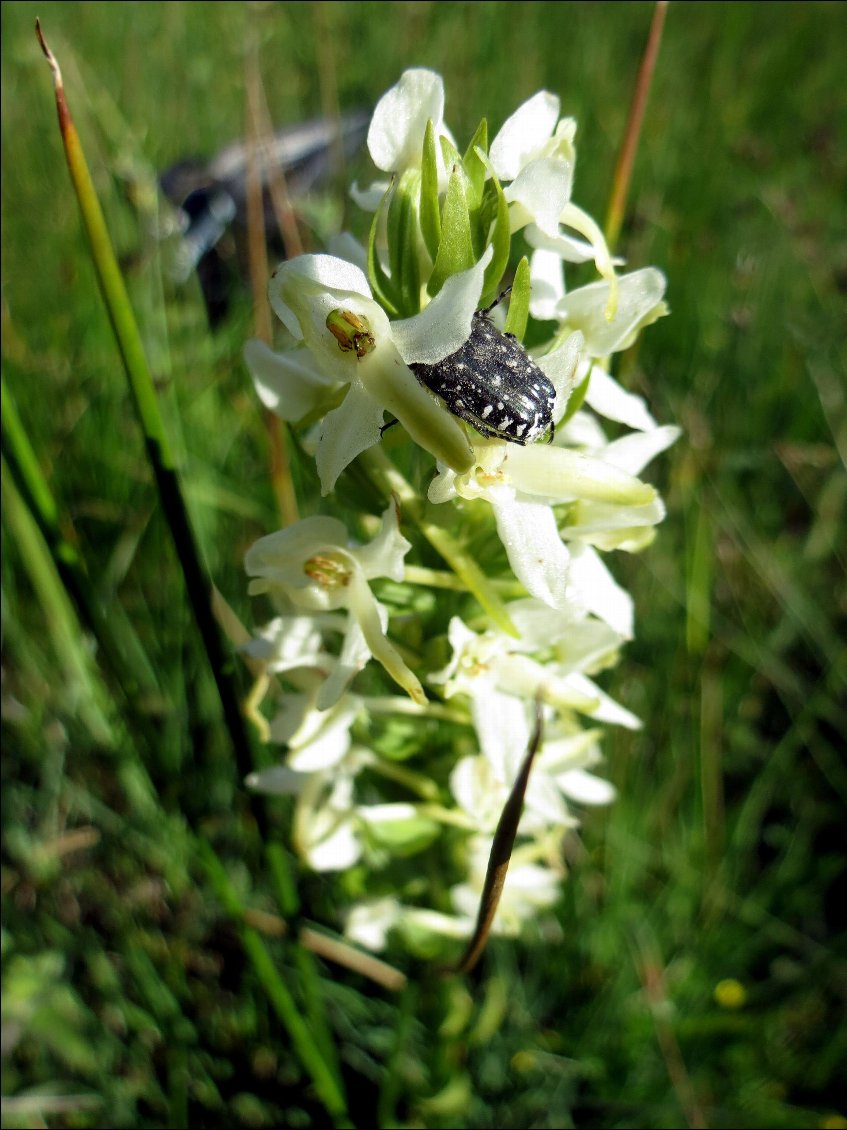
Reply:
x=626, y=157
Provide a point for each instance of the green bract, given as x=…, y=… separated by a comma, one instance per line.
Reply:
x=430, y=233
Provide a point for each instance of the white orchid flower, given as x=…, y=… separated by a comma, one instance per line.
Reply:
x=326, y=832
x=481, y=783
x=609, y=525
x=312, y=566
x=331, y=830
x=529, y=888
x=289, y=643
x=502, y=679
x=398, y=125
x=369, y=923
x=305, y=293
x=534, y=151
x=521, y=484
x=531, y=133
x=316, y=739
x=639, y=304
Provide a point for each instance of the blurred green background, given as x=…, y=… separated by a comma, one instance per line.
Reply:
x=701, y=977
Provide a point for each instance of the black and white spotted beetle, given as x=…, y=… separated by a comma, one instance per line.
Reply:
x=492, y=384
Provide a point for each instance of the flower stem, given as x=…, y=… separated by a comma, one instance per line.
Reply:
x=257, y=133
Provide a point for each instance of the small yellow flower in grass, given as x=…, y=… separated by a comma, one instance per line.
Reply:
x=524, y=1061
x=730, y=994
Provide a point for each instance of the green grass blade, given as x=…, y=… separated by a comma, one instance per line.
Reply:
x=159, y=452
x=114, y=633
x=81, y=685
x=325, y=1082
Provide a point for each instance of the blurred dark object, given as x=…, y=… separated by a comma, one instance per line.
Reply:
x=211, y=199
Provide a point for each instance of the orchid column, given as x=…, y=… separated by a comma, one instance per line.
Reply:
x=481, y=584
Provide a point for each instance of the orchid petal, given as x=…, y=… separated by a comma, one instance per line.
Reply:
x=585, y=788
x=365, y=608
x=639, y=302
x=383, y=555
x=277, y=780
x=501, y=725
x=397, y=129
x=632, y=453
x=561, y=474
x=353, y=658
x=287, y=642
x=609, y=399
x=289, y=384
x=565, y=247
x=544, y=806
x=561, y=367
x=539, y=193
x=368, y=924
x=547, y=285
x=337, y=851
x=370, y=198
x=609, y=525
x=346, y=432
x=607, y=710
x=536, y=553
x=523, y=133
x=323, y=739
x=445, y=324
x=602, y=595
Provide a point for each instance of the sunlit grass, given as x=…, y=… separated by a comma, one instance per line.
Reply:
x=124, y=978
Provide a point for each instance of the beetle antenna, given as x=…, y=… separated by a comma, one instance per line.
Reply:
x=496, y=302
